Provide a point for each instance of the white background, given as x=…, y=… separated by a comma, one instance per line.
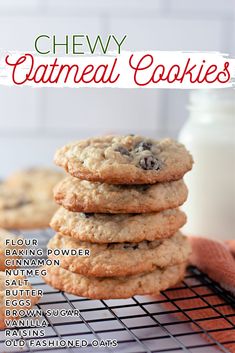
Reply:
x=34, y=122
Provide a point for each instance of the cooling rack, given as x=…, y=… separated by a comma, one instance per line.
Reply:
x=196, y=316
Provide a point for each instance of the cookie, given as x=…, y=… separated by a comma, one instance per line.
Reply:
x=127, y=159
x=23, y=296
x=4, y=235
x=121, y=259
x=19, y=210
x=115, y=288
x=117, y=228
x=37, y=182
x=84, y=196
x=26, y=198
x=11, y=198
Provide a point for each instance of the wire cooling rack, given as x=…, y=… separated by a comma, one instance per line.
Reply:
x=196, y=316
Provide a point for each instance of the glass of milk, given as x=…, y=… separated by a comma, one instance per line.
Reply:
x=209, y=134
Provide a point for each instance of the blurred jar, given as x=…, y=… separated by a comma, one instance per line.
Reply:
x=209, y=134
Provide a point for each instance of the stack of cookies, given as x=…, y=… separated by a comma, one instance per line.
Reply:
x=120, y=210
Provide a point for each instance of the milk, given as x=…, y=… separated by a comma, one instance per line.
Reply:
x=209, y=134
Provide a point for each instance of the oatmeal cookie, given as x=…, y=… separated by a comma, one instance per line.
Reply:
x=19, y=210
x=114, y=288
x=117, y=228
x=130, y=159
x=120, y=259
x=37, y=182
x=85, y=196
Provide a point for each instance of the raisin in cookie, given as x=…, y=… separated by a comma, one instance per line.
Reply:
x=115, y=288
x=19, y=210
x=121, y=259
x=4, y=235
x=128, y=159
x=25, y=296
x=85, y=196
x=117, y=228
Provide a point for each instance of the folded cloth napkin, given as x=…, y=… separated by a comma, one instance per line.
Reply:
x=207, y=313
x=215, y=259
